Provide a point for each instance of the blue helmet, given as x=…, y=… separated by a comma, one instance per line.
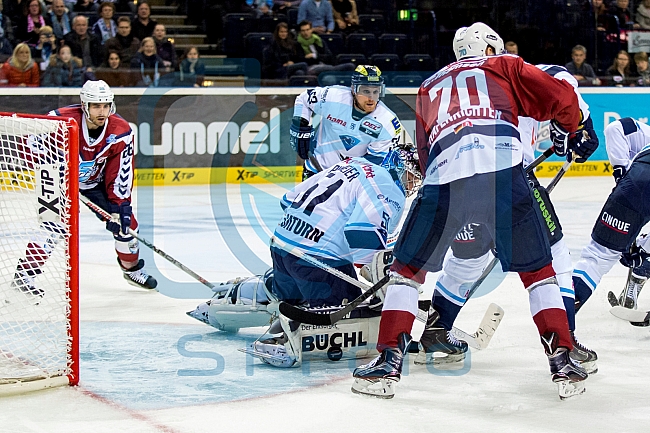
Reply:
x=395, y=165
x=367, y=75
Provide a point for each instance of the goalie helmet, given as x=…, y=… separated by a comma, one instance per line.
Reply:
x=367, y=75
x=97, y=92
x=412, y=177
x=472, y=41
x=395, y=166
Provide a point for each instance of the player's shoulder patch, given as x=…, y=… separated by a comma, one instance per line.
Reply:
x=629, y=125
x=387, y=117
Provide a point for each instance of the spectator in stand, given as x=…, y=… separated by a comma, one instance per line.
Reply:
x=105, y=27
x=64, y=70
x=581, y=71
x=20, y=70
x=124, y=42
x=6, y=48
x=29, y=25
x=142, y=26
x=643, y=15
x=191, y=70
x=84, y=44
x=346, y=16
x=261, y=7
x=622, y=12
x=114, y=71
x=641, y=60
x=599, y=11
x=319, y=13
x=512, y=48
x=284, y=58
x=317, y=56
x=148, y=63
x=282, y=7
x=87, y=6
x=59, y=18
x=6, y=26
x=620, y=69
x=164, y=47
x=45, y=49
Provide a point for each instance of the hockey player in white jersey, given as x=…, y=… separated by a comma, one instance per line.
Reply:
x=341, y=216
x=615, y=236
x=471, y=253
x=354, y=122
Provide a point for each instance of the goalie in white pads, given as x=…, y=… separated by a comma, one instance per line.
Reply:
x=626, y=211
x=341, y=216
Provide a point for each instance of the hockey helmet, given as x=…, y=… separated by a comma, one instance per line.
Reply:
x=472, y=41
x=367, y=75
x=97, y=92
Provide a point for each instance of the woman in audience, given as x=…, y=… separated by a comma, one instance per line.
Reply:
x=643, y=15
x=284, y=57
x=620, y=69
x=20, y=70
x=105, y=27
x=191, y=70
x=114, y=72
x=149, y=63
x=30, y=24
x=65, y=70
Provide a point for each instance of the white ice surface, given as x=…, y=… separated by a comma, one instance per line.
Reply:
x=142, y=370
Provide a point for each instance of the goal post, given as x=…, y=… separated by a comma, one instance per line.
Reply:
x=39, y=246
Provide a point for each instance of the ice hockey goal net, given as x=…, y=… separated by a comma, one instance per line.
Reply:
x=39, y=315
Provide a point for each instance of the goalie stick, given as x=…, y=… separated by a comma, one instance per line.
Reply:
x=635, y=317
x=479, y=340
x=105, y=216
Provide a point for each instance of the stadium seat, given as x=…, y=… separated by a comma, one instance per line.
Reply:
x=292, y=14
x=235, y=28
x=357, y=59
x=372, y=23
x=303, y=81
x=393, y=43
x=406, y=80
x=365, y=43
x=268, y=23
x=256, y=43
x=418, y=62
x=386, y=62
x=335, y=43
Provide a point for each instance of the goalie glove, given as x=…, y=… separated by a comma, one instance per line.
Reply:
x=302, y=137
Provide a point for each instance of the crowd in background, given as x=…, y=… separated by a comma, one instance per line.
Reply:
x=63, y=43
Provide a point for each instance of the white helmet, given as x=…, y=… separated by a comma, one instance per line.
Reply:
x=473, y=40
x=96, y=92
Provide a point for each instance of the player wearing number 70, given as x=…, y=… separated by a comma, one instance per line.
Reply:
x=467, y=137
x=105, y=177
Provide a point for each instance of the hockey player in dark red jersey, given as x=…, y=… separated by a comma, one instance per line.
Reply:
x=105, y=177
x=470, y=148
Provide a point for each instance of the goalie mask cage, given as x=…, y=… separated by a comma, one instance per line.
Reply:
x=39, y=215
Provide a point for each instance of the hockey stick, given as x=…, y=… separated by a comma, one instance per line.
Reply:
x=551, y=186
x=105, y=216
x=541, y=158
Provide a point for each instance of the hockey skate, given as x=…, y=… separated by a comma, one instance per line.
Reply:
x=566, y=373
x=138, y=277
x=583, y=355
x=271, y=351
x=24, y=282
x=436, y=340
x=630, y=294
x=378, y=377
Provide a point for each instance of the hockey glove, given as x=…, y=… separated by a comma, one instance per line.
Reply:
x=302, y=137
x=635, y=257
x=619, y=172
x=585, y=142
x=121, y=221
x=559, y=138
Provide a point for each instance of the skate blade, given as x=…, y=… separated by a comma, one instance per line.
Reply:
x=380, y=388
x=276, y=361
x=139, y=286
x=567, y=389
x=429, y=359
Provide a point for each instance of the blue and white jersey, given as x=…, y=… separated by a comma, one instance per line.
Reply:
x=339, y=135
x=625, y=138
x=343, y=213
x=533, y=133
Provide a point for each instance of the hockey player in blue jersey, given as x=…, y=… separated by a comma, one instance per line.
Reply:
x=354, y=122
x=626, y=211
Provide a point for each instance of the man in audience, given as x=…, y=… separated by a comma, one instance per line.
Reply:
x=164, y=46
x=512, y=48
x=83, y=44
x=142, y=26
x=583, y=72
x=124, y=42
x=59, y=18
x=317, y=56
x=319, y=13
